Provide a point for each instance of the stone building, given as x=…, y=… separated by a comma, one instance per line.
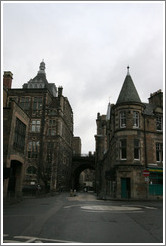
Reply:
x=15, y=132
x=76, y=146
x=129, y=140
x=50, y=136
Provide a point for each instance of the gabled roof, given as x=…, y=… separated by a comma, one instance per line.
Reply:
x=128, y=92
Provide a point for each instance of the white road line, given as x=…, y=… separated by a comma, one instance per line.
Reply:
x=25, y=237
x=110, y=208
x=5, y=235
x=113, y=211
x=150, y=207
x=11, y=241
x=59, y=241
x=31, y=239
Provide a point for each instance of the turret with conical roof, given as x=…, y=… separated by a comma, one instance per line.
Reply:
x=128, y=92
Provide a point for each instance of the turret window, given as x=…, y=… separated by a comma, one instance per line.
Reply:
x=136, y=119
x=122, y=119
x=136, y=149
x=123, y=149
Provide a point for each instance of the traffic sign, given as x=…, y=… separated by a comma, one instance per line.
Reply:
x=146, y=172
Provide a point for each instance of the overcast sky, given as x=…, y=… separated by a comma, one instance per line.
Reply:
x=86, y=47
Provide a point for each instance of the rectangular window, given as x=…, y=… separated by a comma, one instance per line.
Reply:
x=136, y=149
x=123, y=149
x=37, y=103
x=51, y=122
x=35, y=126
x=50, y=147
x=25, y=103
x=51, y=132
x=33, y=149
x=19, y=135
x=136, y=119
x=122, y=119
x=159, y=123
x=159, y=152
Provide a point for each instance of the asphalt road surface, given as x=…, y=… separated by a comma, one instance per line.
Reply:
x=82, y=219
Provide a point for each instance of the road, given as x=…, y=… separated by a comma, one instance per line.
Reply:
x=82, y=219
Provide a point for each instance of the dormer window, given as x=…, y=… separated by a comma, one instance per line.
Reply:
x=122, y=119
x=135, y=119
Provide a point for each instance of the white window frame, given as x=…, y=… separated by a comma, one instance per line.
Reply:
x=122, y=118
x=135, y=119
x=35, y=126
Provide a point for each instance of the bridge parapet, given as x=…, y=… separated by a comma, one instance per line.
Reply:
x=84, y=157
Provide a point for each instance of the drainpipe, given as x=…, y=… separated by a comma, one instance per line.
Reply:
x=146, y=164
x=145, y=148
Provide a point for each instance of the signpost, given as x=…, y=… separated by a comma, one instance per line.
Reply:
x=146, y=175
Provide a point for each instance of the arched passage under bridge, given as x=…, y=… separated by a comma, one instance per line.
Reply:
x=79, y=164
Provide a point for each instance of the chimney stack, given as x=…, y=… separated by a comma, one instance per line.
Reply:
x=7, y=79
x=60, y=89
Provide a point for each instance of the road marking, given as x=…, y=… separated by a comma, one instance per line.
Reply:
x=11, y=241
x=113, y=211
x=150, y=207
x=110, y=208
x=141, y=206
x=70, y=206
x=37, y=239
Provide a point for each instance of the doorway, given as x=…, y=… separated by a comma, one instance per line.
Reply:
x=125, y=188
x=14, y=185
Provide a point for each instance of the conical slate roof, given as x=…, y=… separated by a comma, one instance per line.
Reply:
x=128, y=92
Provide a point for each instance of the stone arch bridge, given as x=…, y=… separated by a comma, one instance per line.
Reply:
x=79, y=164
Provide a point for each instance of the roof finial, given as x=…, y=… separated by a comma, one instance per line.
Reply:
x=42, y=67
x=128, y=70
